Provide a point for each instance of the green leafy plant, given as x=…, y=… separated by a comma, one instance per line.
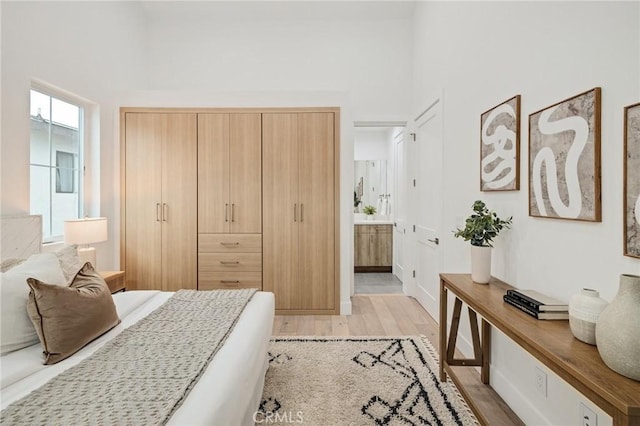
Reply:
x=369, y=210
x=482, y=226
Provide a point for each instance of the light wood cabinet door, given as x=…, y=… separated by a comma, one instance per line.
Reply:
x=280, y=208
x=160, y=201
x=383, y=246
x=317, y=210
x=245, y=173
x=143, y=200
x=179, y=202
x=213, y=173
x=362, y=246
x=229, y=173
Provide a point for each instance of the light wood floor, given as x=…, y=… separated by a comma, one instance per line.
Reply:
x=393, y=315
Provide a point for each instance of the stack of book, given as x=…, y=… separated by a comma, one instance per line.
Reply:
x=537, y=305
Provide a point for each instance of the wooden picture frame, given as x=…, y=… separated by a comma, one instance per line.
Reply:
x=631, y=167
x=564, y=159
x=500, y=147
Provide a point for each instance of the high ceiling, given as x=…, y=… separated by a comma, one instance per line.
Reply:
x=275, y=10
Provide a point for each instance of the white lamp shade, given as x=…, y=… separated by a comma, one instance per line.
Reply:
x=85, y=231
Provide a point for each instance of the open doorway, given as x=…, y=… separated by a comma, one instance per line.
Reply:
x=374, y=196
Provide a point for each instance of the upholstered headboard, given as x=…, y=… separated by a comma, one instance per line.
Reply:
x=20, y=236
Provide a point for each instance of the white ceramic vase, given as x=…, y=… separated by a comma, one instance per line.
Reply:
x=480, y=264
x=584, y=309
x=618, y=329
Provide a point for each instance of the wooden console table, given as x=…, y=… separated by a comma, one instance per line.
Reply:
x=550, y=342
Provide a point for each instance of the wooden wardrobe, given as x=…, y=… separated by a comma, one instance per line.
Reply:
x=233, y=198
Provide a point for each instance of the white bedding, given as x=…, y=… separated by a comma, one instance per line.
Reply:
x=229, y=391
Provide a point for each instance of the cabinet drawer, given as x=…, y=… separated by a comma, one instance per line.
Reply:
x=219, y=262
x=382, y=229
x=229, y=280
x=229, y=243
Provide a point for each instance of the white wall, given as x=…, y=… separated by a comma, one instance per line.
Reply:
x=371, y=144
x=482, y=53
x=206, y=47
x=90, y=49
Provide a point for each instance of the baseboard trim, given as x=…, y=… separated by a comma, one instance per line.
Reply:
x=345, y=308
x=360, y=269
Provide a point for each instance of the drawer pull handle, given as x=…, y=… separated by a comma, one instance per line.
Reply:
x=230, y=281
x=229, y=263
x=229, y=244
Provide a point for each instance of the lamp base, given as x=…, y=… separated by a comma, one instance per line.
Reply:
x=88, y=254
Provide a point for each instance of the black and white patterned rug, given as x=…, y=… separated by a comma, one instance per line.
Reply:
x=358, y=381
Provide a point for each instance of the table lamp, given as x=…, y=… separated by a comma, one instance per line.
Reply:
x=86, y=231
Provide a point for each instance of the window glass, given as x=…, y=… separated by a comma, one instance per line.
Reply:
x=56, y=152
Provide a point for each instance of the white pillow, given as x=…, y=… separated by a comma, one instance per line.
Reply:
x=69, y=261
x=16, y=329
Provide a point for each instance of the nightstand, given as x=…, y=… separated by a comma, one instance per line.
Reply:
x=115, y=280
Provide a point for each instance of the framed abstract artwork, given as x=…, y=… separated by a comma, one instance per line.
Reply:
x=632, y=181
x=564, y=159
x=500, y=147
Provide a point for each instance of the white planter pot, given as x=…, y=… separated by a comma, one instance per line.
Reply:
x=584, y=309
x=480, y=264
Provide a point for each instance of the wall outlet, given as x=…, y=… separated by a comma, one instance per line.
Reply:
x=588, y=417
x=541, y=382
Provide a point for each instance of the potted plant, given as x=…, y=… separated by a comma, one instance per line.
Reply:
x=369, y=211
x=481, y=228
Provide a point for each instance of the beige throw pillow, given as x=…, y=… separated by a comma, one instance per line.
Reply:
x=67, y=318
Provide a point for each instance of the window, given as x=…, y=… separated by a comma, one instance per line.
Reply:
x=56, y=161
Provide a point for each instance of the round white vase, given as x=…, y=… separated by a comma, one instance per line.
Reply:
x=584, y=309
x=480, y=264
x=618, y=329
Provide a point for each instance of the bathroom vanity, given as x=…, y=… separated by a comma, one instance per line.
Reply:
x=373, y=246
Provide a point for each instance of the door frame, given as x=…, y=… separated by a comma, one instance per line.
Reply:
x=358, y=124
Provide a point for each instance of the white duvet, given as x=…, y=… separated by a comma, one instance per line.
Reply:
x=229, y=391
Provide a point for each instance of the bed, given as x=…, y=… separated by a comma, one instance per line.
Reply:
x=227, y=393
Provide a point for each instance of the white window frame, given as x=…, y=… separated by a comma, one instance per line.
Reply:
x=85, y=132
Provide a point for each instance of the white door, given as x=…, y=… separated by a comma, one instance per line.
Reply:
x=427, y=196
x=399, y=192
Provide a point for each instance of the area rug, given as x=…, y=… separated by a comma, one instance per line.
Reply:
x=358, y=381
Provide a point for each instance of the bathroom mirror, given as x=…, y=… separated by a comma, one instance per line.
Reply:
x=371, y=186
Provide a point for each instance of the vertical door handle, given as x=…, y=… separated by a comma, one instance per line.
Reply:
x=233, y=212
x=165, y=212
x=295, y=212
x=157, y=212
x=301, y=212
x=226, y=212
